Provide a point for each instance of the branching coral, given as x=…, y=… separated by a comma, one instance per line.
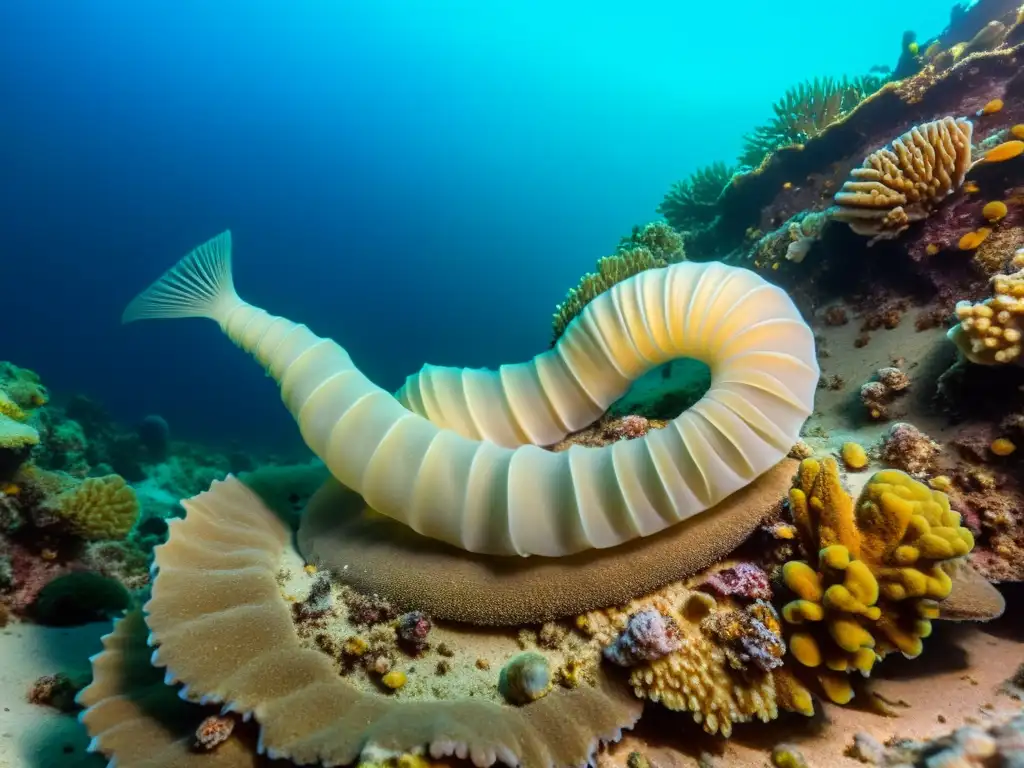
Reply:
x=657, y=237
x=610, y=270
x=903, y=183
x=691, y=203
x=989, y=332
x=805, y=111
x=878, y=577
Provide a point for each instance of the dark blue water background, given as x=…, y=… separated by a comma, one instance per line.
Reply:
x=420, y=180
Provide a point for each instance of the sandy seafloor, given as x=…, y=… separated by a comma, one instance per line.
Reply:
x=959, y=679
x=32, y=736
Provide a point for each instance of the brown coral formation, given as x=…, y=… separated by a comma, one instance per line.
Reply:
x=903, y=183
x=878, y=394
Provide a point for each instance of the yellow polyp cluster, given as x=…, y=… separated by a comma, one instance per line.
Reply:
x=878, y=576
x=725, y=666
x=990, y=332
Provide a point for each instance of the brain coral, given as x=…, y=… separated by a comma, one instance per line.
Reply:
x=100, y=508
x=878, y=576
x=903, y=183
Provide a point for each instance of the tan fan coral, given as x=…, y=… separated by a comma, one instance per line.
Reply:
x=379, y=556
x=222, y=627
x=134, y=718
x=903, y=183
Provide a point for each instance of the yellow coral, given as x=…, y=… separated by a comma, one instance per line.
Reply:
x=100, y=508
x=394, y=679
x=989, y=333
x=854, y=456
x=972, y=240
x=879, y=570
x=704, y=675
x=9, y=408
x=994, y=210
x=1005, y=151
x=14, y=435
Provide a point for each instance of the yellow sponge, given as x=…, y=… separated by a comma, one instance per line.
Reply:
x=879, y=570
x=100, y=508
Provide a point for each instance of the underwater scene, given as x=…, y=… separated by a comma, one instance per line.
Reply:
x=615, y=385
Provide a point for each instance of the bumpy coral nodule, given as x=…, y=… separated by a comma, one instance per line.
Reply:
x=989, y=333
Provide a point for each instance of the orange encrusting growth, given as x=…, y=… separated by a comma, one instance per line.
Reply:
x=994, y=210
x=972, y=240
x=1005, y=151
x=991, y=108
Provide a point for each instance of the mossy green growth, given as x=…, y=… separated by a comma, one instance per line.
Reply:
x=79, y=598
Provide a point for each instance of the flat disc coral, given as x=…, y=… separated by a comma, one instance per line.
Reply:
x=222, y=627
x=377, y=555
x=136, y=720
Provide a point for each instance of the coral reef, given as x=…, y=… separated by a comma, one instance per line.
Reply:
x=441, y=652
x=654, y=245
x=804, y=112
x=900, y=184
x=989, y=333
x=877, y=579
x=691, y=202
x=694, y=653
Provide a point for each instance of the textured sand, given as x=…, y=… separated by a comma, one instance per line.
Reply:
x=39, y=737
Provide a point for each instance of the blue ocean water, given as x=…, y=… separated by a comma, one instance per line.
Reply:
x=420, y=181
